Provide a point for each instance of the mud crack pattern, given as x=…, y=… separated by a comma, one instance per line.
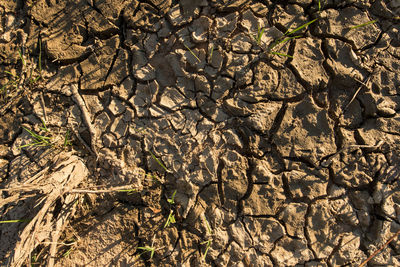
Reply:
x=291, y=160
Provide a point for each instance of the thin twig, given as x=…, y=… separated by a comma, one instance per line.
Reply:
x=98, y=191
x=86, y=117
x=380, y=249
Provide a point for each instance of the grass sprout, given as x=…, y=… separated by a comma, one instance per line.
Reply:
x=260, y=33
x=363, y=24
x=148, y=249
x=38, y=140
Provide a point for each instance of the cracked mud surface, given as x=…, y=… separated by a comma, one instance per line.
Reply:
x=291, y=161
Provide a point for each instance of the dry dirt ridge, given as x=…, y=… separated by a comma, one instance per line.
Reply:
x=282, y=142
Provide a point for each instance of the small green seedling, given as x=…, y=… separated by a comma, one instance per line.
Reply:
x=287, y=37
x=148, y=249
x=38, y=140
x=172, y=199
x=171, y=216
x=170, y=219
x=207, y=242
x=67, y=140
x=364, y=24
x=259, y=35
x=191, y=52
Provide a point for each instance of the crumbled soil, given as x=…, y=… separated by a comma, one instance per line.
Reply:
x=261, y=154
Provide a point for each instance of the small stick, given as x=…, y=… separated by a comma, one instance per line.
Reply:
x=98, y=191
x=380, y=249
x=86, y=117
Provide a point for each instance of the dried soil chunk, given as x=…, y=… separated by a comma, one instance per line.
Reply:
x=266, y=79
x=294, y=218
x=288, y=18
x=338, y=23
x=67, y=47
x=96, y=67
x=306, y=183
x=327, y=221
x=264, y=232
x=238, y=233
x=307, y=60
x=263, y=116
x=111, y=9
x=176, y=17
x=265, y=199
x=305, y=132
x=145, y=17
x=199, y=29
x=251, y=23
x=290, y=252
x=241, y=43
x=341, y=61
x=172, y=99
x=226, y=25
x=233, y=175
x=354, y=170
x=288, y=86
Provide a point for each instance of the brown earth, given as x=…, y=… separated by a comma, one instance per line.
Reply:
x=289, y=159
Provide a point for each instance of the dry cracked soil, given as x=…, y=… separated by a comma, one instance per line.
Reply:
x=199, y=132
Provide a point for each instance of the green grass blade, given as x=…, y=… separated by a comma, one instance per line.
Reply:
x=36, y=136
x=301, y=27
x=364, y=24
x=13, y=75
x=281, y=54
x=159, y=162
x=14, y=221
x=211, y=54
x=40, y=58
x=190, y=50
x=21, y=57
